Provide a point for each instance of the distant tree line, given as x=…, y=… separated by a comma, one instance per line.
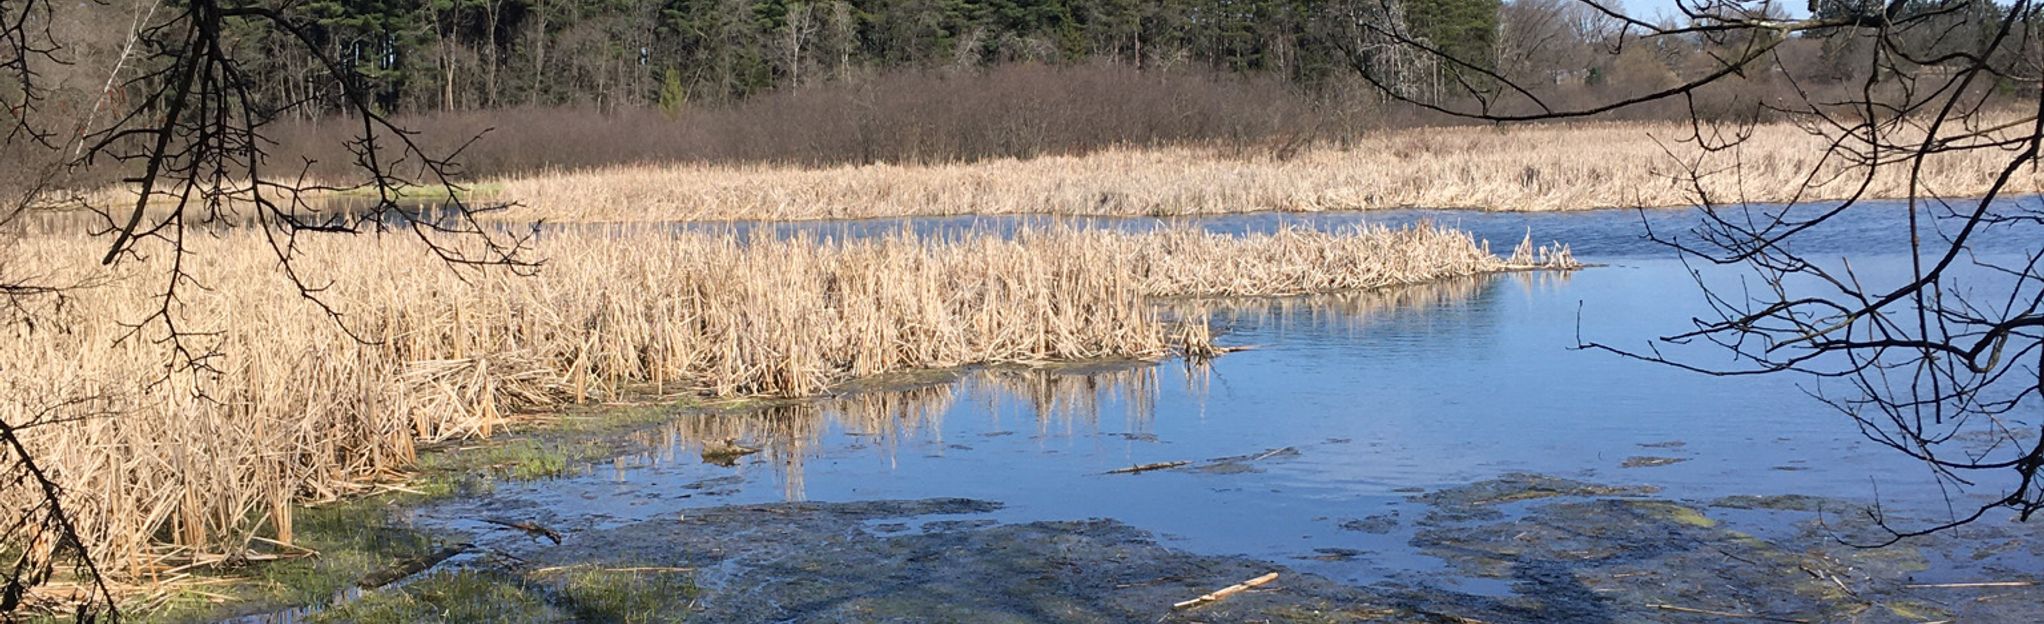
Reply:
x=795, y=80
x=464, y=55
x=420, y=56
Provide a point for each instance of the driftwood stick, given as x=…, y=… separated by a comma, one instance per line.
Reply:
x=1148, y=467
x=1966, y=585
x=1225, y=592
x=1728, y=614
x=1269, y=453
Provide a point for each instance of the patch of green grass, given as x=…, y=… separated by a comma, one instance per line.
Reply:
x=353, y=539
x=551, y=447
x=465, y=596
x=521, y=458
x=629, y=596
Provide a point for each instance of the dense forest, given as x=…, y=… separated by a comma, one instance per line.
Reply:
x=451, y=55
x=865, y=80
x=470, y=54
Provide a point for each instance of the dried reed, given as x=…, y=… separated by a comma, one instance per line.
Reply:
x=165, y=470
x=1523, y=168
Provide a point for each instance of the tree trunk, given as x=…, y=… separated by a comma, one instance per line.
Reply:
x=539, y=52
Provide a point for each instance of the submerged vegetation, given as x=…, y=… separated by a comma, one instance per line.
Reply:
x=303, y=406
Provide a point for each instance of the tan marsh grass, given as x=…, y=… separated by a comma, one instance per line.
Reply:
x=161, y=473
x=1515, y=168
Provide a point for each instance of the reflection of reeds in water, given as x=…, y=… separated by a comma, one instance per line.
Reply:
x=790, y=433
x=1056, y=400
x=1072, y=397
x=1349, y=311
x=1535, y=281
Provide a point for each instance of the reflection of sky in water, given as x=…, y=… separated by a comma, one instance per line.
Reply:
x=1381, y=392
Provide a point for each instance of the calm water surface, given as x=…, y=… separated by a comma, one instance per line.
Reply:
x=1375, y=395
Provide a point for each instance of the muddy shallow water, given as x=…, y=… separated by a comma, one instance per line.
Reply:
x=1435, y=451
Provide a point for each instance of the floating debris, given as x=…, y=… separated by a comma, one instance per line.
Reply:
x=1643, y=461
x=1378, y=524
x=725, y=452
x=1141, y=468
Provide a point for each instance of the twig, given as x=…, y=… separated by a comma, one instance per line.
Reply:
x=1269, y=453
x=301, y=549
x=1223, y=593
x=1743, y=616
x=1966, y=585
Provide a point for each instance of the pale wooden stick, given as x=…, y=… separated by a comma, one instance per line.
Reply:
x=1965, y=585
x=1148, y=467
x=1225, y=592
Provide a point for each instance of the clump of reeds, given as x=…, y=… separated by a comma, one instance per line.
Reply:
x=165, y=469
x=1522, y=168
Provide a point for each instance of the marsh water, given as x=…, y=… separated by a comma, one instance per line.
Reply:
x=1307, y=448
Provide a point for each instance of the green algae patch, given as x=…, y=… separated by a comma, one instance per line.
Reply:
x=547, y=446
x=1785, y=502
x=1515, y=487
x=1678, y=514
x=1915, y=611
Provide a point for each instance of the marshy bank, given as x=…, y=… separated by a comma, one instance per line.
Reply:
x=168, y=471
x=1430, y=452
x=1520, y=548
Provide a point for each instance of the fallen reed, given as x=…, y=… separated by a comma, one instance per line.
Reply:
x=165, y=470
x=1514, y=168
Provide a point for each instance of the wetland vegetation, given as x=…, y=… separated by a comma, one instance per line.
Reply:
x=300, y=410
x=1067, y=311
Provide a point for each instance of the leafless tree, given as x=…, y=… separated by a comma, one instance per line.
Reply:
x=1942, y=362
x=190, y=138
